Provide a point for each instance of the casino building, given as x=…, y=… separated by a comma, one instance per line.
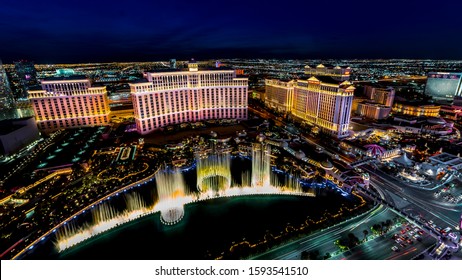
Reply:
x=68, y=102
x=188, y=95
x=324, y=100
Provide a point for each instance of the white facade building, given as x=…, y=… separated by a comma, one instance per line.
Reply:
x=373, y=110
x=326, y=104
x=336, y=72
x=67, y=102
x=321, y=101
x=191, y=95
x=279, y=94
x=384, y=96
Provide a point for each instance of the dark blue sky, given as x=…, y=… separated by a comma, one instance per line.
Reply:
x=139, y=30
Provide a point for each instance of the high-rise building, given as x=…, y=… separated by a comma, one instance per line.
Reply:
x=188, y=95
x=336, y=72
x=173, y=63
x=66, y=102
x=279, y=94
x=324, y=102
x=444, y=86
x=384, y=96
x=27, y=76
x=6, y=97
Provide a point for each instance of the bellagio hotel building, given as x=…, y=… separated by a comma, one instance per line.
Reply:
x=67, y=102
x=322, y=100
x=170, y=97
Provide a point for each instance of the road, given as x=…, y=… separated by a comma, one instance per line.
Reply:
x=323, y=241
x=380, y=248
x=410, y=200
x=415, y=201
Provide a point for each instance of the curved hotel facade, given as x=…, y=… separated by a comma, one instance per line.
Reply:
x=67, y=102
x=321, y=101
x=326, y=104
x=178, y=96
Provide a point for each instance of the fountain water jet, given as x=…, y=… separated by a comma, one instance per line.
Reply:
x=105, y=217
x=213, y=173
x=214, y=179
x=261, y=167
x=172, y=193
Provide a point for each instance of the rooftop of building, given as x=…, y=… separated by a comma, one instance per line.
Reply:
x=444, y=73
x=7, y=129
x=35, y=87
x=356, y=126
x=139, y=81
x=415, y=103
x=446, y=158
x=285, y=80
x=322, y=79
x=167, y=70
x=372, y=103
x=9, y=125
x=409, y=117
x=326, y=80
x=328, y=66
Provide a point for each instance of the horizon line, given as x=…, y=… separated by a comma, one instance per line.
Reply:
x=218, y=59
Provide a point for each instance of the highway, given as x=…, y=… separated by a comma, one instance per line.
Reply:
x=323, y=240
x=415, y=201
x=380, y=249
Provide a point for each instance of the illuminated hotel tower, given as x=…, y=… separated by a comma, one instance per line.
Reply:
x=279, y=94
x=337, y=72
x=322, y=101
x=66, y=102
x=190, y=95
x=325, y=103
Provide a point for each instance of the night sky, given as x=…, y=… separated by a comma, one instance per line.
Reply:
x=102, y=31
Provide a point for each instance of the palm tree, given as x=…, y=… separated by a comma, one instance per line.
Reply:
x=365, y=232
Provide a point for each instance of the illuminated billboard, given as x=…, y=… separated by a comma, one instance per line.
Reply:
x=444, y=86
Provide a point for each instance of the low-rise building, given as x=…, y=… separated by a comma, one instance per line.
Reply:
x=451, y=161
x=451, y=112
x=417, y=110
x=16, y=134
x=372, y=110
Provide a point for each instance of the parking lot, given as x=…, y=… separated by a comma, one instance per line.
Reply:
x=450, y=193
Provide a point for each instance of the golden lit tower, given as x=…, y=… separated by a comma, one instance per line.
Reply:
x=66, y=102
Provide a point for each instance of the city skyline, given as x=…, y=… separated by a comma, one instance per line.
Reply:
x=102, y=32
x=245, y=130
x=337, y=160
